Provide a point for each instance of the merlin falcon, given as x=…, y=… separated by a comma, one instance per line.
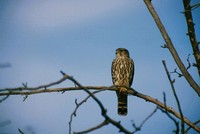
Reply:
x=122, y=76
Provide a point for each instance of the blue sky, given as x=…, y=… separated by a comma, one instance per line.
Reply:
x=40, y=38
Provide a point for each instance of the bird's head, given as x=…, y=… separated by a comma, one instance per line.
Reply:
x=122, y=52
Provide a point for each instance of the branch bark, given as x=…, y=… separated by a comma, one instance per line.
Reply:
x=171, y=48
x=163, y=106
x=103, y=110
x=196, y=122
x=191, y=33
x=131, y=91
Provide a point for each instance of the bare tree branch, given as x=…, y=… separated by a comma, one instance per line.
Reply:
x=24, y=91
x=171, y=48
x=131, y=91
x=175, y=95
x=4, y=98
x=188, y=60
x=148, y=117
x=77, y=106
x=105, y=122
x=167, y=113
x=175, y=71
x=138, y=128
x=25, y=86
x=20, y=131
x=195, y=6
x=103, y=110
x=191, y=32
x=196, y=122
x=169, y=109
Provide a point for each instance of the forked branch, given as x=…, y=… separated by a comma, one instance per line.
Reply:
x=175, y=95
x=171, y=47
x=131, y=91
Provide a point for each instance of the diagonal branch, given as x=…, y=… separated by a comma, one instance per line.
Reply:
x=171, y=117
x=171, y=48
x=175, y=95
x=103, y=110
x=105, y=122
x=148, y=117
x=196, y=122
x=195, y=6
x=77, y=106
x=163, y=106
x=138, y=128
x=4, y=98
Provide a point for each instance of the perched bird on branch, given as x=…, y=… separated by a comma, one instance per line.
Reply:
x=122, y=76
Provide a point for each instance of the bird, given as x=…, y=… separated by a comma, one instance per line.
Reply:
x=122, y=71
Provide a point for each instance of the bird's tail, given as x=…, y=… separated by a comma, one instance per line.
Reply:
x=122, y=103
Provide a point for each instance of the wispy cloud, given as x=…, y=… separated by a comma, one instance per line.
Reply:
x=50, y=14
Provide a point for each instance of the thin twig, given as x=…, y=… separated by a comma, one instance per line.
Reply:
x=148, y=117
x=175, y=71
x=25, y=86
x=138, y=128
x=105, y=122
x=77, y=106
x=20, y=131
x=196, y=122
x=175, y=95
x=188, y=60
x=195, y=6
x=167, y=113
x=4, y=98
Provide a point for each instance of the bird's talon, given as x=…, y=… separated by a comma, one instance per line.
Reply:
x=122, y=89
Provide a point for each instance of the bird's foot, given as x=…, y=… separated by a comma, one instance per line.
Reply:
x=122, y=90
